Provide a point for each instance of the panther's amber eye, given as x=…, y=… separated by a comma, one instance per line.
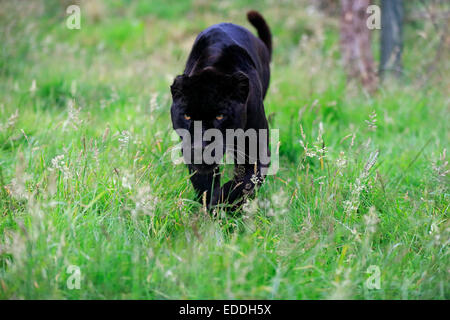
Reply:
x=187, y=117
x=219, y=117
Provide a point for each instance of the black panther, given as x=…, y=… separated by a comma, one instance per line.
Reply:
x=223, y=86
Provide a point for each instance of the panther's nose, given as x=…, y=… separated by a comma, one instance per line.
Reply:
x=197, y=149
x=197, y=154
x=199, y=144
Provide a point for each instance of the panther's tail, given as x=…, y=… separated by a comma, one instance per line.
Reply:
x=257, y=20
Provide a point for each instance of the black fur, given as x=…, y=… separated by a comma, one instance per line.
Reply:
x=227, y=73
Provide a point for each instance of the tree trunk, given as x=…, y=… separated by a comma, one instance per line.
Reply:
x=356, y=45
x=391, y=37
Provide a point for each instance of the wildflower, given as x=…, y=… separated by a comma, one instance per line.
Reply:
x=58, y=164
x=124, y=140
x=352, y=204
x=440, y=166
x=169, y=274
x=341, y=162
x=11, y=122
x=254, y=179
x=318, y=148
x=250, y=207
x=105, y=135
x=372, y=122
x=145, y=202
x=370, y=162
x=127, y=180
x=73, y=118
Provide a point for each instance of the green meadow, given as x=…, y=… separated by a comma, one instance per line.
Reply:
x=357, y=210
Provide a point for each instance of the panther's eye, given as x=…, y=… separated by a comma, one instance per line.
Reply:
x=187, y=117
x=219, y=117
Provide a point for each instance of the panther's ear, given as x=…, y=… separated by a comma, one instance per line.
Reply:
x=177, y=86
x=240, y=83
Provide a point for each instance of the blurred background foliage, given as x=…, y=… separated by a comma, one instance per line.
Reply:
x=86, y=176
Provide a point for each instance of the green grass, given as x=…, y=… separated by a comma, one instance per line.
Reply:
x=92, y=184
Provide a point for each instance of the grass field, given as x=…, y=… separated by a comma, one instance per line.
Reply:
x=87, y=180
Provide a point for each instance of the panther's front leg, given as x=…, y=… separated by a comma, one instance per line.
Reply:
x=208, y=182
x=236, y=191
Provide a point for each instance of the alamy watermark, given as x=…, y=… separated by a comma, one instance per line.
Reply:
x=210, y=147
x=74, y=19
x=374, y=20
x=74, y=280
x=374, y=279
